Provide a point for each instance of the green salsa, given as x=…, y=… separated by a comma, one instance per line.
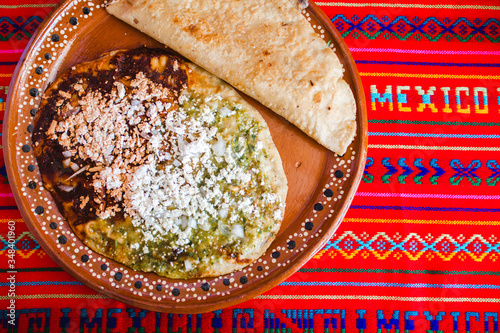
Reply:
x=243, y=205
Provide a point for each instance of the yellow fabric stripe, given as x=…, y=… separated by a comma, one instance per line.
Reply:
x=28, y=5
x=432, y=76
x=405, y=5
x=15, y=220
x=385, y=298
x=5, y=75
x=434, y=147
x=451, y=222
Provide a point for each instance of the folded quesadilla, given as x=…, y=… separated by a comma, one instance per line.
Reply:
x=265, y=48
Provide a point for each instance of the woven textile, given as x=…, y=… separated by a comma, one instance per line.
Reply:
x=419, y=249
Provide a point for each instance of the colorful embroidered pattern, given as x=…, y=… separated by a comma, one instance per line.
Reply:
x=495, y=176
x=467, y=172
x=25, y=246
x=328, y=320
x=431, y=28
x=367, y=177
x=413, y=246
x=18, y=28
x=349, y=245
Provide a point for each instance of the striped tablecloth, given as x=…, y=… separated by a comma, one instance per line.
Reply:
x=419, y=248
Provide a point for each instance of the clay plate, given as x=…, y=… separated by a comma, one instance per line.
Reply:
x=321, y=184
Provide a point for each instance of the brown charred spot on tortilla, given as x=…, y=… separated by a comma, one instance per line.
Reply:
x=131, y=62
x=228, y=252
x=83, y=213
x=174, y=255
x=49, y=158
x=243, y=261
x=53, y=174
x=317, y=98
x=266, y=53
x=136, y=20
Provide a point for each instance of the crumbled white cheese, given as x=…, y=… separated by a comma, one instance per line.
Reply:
x=163, y=165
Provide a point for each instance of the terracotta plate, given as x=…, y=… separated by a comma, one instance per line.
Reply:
x=321, y=184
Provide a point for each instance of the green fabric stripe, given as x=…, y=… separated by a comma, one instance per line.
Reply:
x=398, y=271
x=35, y=269
x=34, y=5
x=423, y=122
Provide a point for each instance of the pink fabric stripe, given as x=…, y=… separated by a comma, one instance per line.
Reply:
x=360, y=49
x=6, y=195
x=12, y=51
x=428, y=196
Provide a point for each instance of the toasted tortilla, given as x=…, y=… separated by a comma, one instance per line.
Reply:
x=265, y=48
x=185, y=146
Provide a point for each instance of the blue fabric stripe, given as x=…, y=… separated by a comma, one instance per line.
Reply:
x=43, y=283
x=8, y=207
